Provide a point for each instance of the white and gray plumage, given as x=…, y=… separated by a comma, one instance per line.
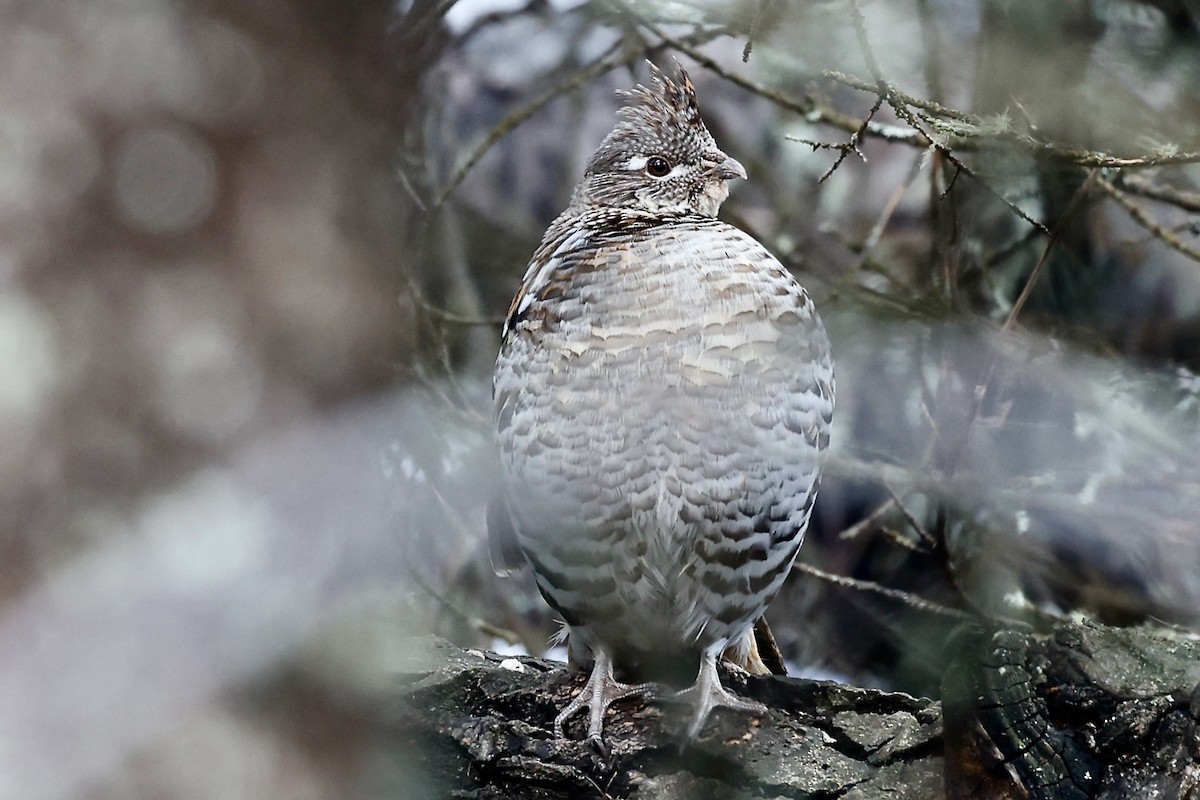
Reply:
x=662, y=398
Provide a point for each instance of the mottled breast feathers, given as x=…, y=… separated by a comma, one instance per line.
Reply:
x=674, y=380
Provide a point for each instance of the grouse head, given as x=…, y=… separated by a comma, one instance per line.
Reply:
x=659, y=158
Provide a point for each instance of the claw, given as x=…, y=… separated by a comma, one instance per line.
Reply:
x=707, y=693
x=600, y=692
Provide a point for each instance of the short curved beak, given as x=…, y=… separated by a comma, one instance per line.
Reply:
x=729, y=168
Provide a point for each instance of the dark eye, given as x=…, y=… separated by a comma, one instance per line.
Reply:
x=657, y=166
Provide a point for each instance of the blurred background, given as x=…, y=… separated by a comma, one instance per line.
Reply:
x=253, y=260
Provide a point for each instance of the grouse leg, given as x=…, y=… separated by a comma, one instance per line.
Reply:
x=707, y=693
x=600, y=692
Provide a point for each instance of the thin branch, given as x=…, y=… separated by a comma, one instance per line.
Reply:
x=931, y=45
x=758, y=12
x=960, y=168
x=844, y=148
x=819, y=113
x=910, y=600
x=1012, y=247
x=1142, y=218
x=1013, y=207
x=869, y=522
x=805, y=106
x=934, y=108
x=897, y=537
x=906, y=115
x=1188, y=201
x=455, y=610
x=1089, y=158
x=604, y=64
x=877, y=130
x=860, y=31
x=493, y=18
x=890, y=207
x=808, y=106
x=853, y=143
x=989, y=370
x=911, y=519
x=1033, y=146
x=412, y=190
x=841, y=146
x=1027, y=289
x=445, y=315
x=903, y=110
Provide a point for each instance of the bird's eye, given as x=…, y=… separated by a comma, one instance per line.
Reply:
x=657, y=166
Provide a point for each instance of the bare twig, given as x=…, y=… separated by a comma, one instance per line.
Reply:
x=890, y=206
x=1013, y=207
x=877, y=130
x=843, y=148
x=957, y=449
x=906, y=115
x=758, y=12
x=860, y=31
x=931, y=44
x=963, y=140
x=869, y=522
x=1088, y=158
x=809, y=107
x=897, y=537
x=901, y=107
x=933, y=108
x=445, y=315
x=1140, y=216
x=493, y=18
x=815, y=145
x=818, y=112
x=1027, y=289
x=455, y=610
x=1188, y=201
x=1004, y=252
x=911, y=519
x=853, y=143
x=910, y=600
x=605, y=63
x=412, y=190
x=954, y=179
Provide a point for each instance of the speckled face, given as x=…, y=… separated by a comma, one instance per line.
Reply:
x=660, y=157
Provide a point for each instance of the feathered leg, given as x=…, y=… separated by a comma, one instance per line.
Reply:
x=707, y=693
x=600, y=692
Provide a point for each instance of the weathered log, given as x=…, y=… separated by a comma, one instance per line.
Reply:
x=1087, y=712
x=480, y=725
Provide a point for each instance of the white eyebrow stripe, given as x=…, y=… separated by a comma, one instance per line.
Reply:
x=638, y=163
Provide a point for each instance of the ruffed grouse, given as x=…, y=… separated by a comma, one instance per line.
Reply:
x=662, y=396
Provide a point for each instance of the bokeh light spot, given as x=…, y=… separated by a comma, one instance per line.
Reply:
x=29, y=355
x=166, y=181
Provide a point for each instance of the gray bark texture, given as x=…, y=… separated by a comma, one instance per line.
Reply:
x=1084, y=712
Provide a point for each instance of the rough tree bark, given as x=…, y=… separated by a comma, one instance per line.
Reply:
x=1086, y=712
x=1083, y=712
